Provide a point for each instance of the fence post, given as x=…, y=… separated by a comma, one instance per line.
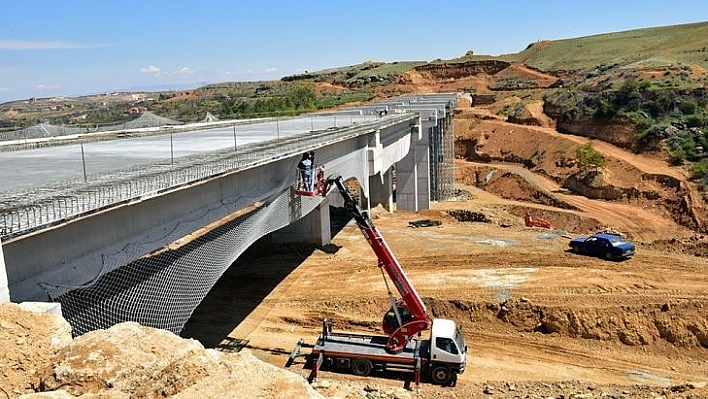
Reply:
x=83, y=162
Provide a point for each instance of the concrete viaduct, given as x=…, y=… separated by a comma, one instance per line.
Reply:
x=152, y=259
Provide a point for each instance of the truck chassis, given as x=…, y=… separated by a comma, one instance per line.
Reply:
x=362, y=353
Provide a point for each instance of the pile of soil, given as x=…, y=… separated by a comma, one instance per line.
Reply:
x=128, y=360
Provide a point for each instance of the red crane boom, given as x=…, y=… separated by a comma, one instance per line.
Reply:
x=405, y=319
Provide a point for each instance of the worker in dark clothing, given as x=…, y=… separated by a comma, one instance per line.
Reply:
x=305, y=166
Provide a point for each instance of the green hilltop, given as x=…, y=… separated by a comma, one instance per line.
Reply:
x=640, y=48
x=649, y=47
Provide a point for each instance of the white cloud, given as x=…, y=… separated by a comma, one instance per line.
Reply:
x=152, y=70
x=258, y=72
x=158, y=72
x=45, y=45
x=3, y=89
x=185, y=71
x=52, y=86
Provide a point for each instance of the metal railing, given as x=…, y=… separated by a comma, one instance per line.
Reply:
x=32, y=210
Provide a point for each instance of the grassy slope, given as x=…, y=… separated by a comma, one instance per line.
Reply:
x=640, y=48
x=650, y=47
x=367, y=69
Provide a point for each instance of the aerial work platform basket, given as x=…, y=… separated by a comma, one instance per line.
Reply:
x=318, y=185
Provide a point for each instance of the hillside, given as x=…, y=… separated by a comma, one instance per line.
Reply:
x=641, y=48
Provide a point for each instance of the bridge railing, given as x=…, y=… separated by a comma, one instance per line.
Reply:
x=36, y=209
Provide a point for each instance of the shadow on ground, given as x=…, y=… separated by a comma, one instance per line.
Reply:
x=242, y=288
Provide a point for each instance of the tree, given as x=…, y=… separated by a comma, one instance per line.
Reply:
x=589, y=158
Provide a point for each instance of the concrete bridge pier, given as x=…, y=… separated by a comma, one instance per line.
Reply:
x=4, y=290
x=413, y=175
x=313, y=228
x=381, y=190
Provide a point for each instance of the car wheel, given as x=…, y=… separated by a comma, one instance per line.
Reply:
x=441, y=375
x=575, y=249
x=361, y=367
x=609, y=256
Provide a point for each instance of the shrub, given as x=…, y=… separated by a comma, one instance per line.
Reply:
x=640, y=118
x=589, y=158
x=677, y=156
x=606, y=110
x=644, y=85
x=696, y=120
x=699, y=169
x=687, y=107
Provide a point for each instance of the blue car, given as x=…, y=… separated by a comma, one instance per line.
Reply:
x=605, y=245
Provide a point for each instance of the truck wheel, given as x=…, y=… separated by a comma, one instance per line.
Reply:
x=361, y=367
x=441, y=375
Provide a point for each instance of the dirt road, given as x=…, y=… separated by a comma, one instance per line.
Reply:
x=644, y=224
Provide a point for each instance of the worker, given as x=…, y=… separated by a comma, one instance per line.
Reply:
x=313, y=172
x=305, y=166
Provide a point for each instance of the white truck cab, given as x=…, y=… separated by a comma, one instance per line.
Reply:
x=448, y=351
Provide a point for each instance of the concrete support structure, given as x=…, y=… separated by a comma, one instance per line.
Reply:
x=4, y=290
x=313, y=228
x=42, y=307
x=412, y=175
x=381, y=190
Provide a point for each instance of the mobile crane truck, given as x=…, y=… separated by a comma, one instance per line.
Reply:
x=441, y=356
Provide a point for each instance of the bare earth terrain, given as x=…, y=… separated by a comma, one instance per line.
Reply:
x=530, y=310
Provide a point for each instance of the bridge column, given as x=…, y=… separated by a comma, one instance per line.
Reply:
x=413, y=175
x=312, y=228
x=4, y=290
x=381, y=192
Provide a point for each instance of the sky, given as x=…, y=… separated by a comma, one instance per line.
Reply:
x=76, y=47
